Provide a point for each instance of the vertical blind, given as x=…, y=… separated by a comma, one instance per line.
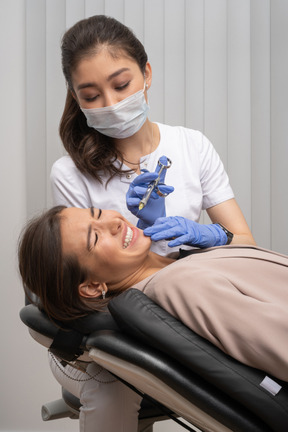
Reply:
x=219, y=66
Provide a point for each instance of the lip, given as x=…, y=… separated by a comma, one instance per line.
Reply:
x=134, y=236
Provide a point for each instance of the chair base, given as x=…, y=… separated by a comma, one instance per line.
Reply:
x=151, y=385
x=69, y=406
x=56, y=410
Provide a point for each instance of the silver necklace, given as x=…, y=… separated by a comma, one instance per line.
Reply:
x=145, y=162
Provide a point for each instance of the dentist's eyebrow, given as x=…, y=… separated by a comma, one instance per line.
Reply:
x=109, y=78
x=85, y=85
x=118, y=72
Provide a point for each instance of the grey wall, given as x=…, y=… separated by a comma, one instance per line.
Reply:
x=220, y=66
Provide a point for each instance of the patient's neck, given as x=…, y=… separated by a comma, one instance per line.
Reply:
x=152, y=264
x=155, y=263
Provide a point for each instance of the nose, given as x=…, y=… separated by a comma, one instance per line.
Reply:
x=109, y=99
x=115, y=226
x=110, y=226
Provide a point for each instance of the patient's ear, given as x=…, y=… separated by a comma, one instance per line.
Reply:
x=92, y=289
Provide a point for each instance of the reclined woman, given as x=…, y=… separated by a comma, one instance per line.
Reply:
x=76, y=260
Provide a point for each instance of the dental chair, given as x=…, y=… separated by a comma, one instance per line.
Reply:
x=179, y=374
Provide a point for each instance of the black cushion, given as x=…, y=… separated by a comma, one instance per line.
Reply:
x=181, y=379
x=163, y=332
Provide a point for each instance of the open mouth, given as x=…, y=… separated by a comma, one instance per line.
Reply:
x=128, y=237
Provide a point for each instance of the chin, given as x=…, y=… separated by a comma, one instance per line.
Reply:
x=144, y=240
x=148, y=241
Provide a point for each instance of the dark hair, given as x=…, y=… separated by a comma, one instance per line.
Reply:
x=92, y=152
x=51, y=276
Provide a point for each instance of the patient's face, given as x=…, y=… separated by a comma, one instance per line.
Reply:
x=105, y=243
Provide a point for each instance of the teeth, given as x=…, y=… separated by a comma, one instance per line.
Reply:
x=128, y=237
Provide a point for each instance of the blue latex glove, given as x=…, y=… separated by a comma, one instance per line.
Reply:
x=186, y=232
x=155, y=206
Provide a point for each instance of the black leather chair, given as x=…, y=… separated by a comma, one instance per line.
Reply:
x=69, y=345
x=159, y=357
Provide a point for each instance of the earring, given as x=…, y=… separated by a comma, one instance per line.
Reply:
x=103, y=295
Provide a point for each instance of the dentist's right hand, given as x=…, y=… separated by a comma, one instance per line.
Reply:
x=155, y=206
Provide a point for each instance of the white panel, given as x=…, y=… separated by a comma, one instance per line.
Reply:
x=134, y=17
x=36, y=105
x=94, y=7
x=115, y=9
x=32, y=382
x=215, y=85
x=260, y=121
x=154, y=46
x=239, y=107
x=55, y=83
x=279, y=124
x=13, y=165
x=75, y=11
x=174, y=62
x=194, y=82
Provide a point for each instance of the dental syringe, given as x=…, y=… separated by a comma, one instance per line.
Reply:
x=154, y=185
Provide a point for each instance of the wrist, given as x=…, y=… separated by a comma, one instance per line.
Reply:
x=228, y=233
x=142, y=225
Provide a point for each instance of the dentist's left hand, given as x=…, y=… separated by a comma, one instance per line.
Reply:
x=186, y=231
x=155, y=206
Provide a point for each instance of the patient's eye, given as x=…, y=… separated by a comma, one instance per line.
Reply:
x=96, y=239
x=92, y=234
x=96, y=235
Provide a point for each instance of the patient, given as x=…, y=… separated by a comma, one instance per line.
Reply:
x=76, y=260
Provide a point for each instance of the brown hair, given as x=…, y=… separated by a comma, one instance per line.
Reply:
x=92, y=152
x=51, y=276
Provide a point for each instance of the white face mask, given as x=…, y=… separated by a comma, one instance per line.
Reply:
x=121, y=120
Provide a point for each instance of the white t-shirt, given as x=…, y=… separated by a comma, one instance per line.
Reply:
x=196, y=173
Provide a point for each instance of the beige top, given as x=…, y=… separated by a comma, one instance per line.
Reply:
x=234, y=296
